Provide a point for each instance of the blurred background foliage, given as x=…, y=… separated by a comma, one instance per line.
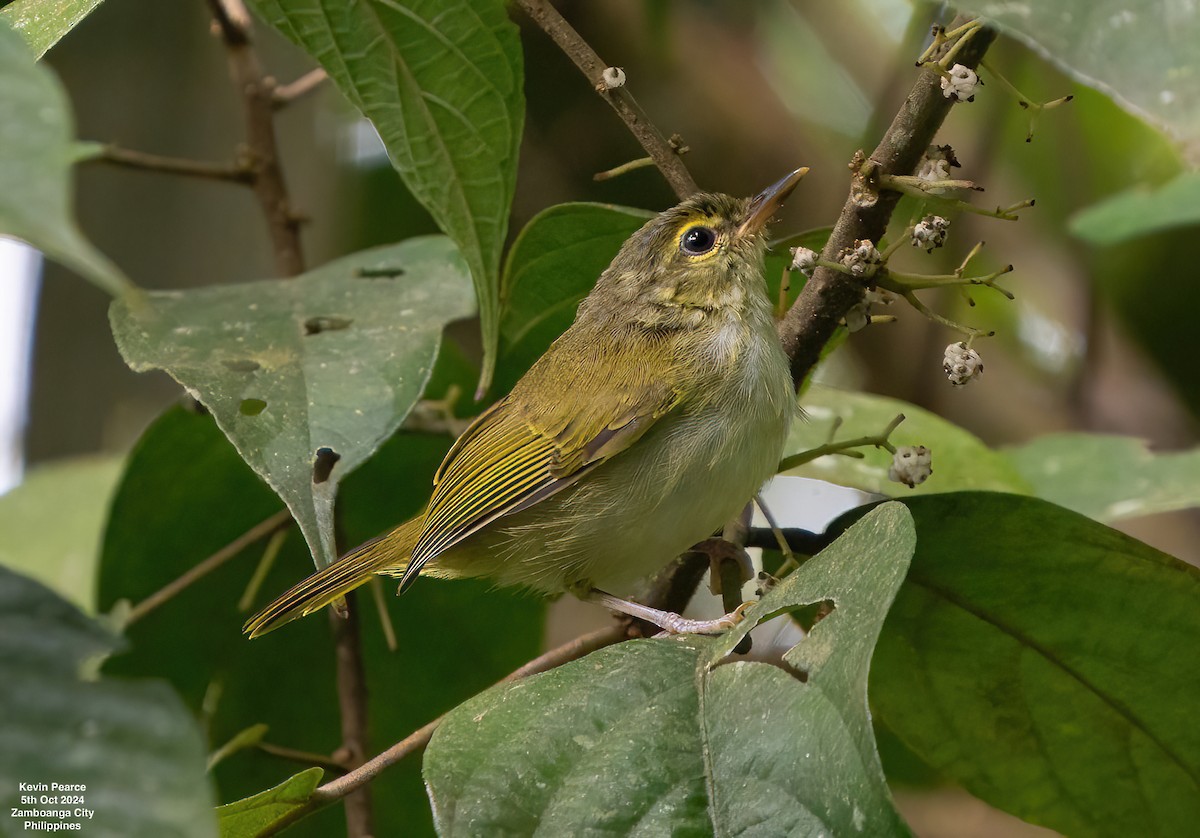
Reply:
x=1096, y=340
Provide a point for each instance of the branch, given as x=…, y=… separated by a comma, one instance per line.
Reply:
x=173, y=165
x=198, y=571
x=665, y=157
x=262, y=152
x=352, y=699
x=336, y=789
x=827, y=297
x=284, y=94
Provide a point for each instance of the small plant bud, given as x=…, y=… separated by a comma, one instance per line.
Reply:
x=930, y=232
x=862, y=259
x=961, y=364
x=911, y=464
x=960, y=85
x=804, y=260
x=612, y=78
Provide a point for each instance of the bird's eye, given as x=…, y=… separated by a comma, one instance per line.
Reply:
x=698, y=240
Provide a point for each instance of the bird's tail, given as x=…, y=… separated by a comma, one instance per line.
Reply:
x=387, y=554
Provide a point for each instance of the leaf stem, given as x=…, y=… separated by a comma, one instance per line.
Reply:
x=284, y=94
x=621, y=100
x=230, y=173
x=879, y=440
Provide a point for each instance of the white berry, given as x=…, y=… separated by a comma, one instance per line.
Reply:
x=960, y=85
x=911, y=464
x=930, y=232
x=804, y=260
x=612, y=78
x=961, y=364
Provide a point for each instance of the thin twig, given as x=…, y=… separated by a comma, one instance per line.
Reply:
x=284, y=94
x=262, y=151
x=173, y=165
x=621, y=100
x=208, y=565
x=336, y=789
x=826, y=298
x=309, y=758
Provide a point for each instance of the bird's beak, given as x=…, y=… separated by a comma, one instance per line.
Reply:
x=766, y=203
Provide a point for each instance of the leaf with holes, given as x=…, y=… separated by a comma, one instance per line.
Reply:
x=442, y=81
x=1047, y=663
x=306, y=376
x=36, y=156
x=663, y=737
x=133, y=745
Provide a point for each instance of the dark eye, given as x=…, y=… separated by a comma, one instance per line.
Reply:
x=696, y=241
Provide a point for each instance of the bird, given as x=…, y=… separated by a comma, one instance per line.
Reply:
x=649, y=423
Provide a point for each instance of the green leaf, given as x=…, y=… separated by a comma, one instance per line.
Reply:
x=132, y=746
x=1139, y=211
x=36, y=155
x=306, y=376
x=960, y=460
x=442, y=81
x=248, y=738
x=1045, y=662
x=43, y=23
x=1108, y=477
x=1143, y=55
x=51, y=525
x=252, y=816
x=553, y=264
x=186, y=494
x=672, y=737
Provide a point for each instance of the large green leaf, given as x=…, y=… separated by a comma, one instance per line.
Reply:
x=1108, y=477
x=43, y=23
x=553, y=265
x=36, y=156
x=252, y=816
x=442, y=81
x=1048, y=663
x=1140, y=210
x=186, y=494
x=130, y=747
x=960, y=459
x=673, y=737
x=1146, y=55
x=306, y=376
x=50, y=525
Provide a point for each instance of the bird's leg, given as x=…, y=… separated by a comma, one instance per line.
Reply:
x=666, y=620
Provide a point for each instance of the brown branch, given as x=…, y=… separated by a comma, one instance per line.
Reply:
x=199, y=571
x=827, y=297
x=352, y=698
x=232, y=22
x=284, y=94
x=336, y=789
x=173, y=165
x=665, y=157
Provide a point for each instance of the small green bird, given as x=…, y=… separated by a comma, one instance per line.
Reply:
x=646, y=426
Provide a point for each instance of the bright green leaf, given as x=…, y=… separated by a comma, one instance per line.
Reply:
x=132, y=745
x=252, y=816
x=672, y=737
x=43, y=23
x=36, y=155
x=306, y=376
x=553, y=265
x=1140, y=211
x=960, y=460
x=1046, y=662
x=1108, y=477
x=442, y=81
x=1146, y=55
x=50, y=525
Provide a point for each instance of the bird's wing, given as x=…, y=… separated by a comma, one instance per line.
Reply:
x=511, y=458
